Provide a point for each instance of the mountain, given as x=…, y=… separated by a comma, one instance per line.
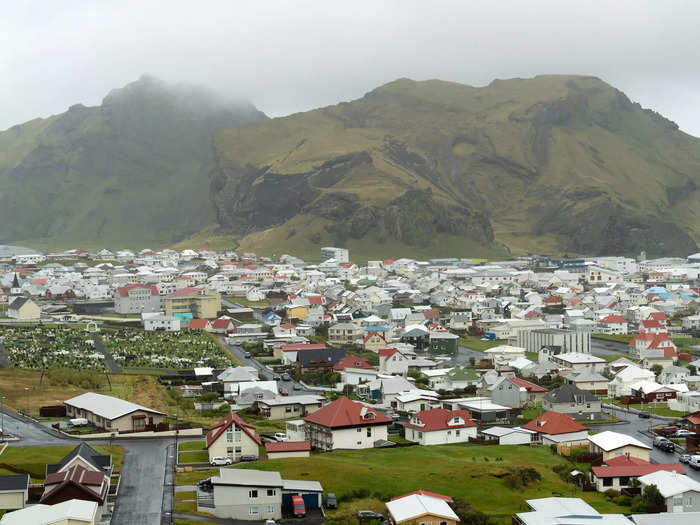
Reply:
x=552, y=164
x=133, y=171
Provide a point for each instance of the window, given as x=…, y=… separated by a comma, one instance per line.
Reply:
x=359, y=429
x=369, y=431
x=229, y=451
x=238, y=451
x=288, y=409
x=689, y=501
x=457, y=433
x=229, y=436
x=270, y=508
x=607, y=482
x=678, y=501
x=253, y=494
x=270, y=492
x=253, y=511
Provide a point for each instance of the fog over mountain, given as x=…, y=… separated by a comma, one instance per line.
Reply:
x=293, y=56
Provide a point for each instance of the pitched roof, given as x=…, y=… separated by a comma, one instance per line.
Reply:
x=297, y=347
x=321, y=356
x=353, y=361
x=554, y=423
x=425, y=493
x=344, y=412
x=609, y=440
x=413, y=506
x=288, y=446
x=106, y=406
x=198, y=324
x=87, y=453
x=231, y=419
x=624, y=466
x=527, y=385
x=72, y=509
x=438, y=419
x=14, y=482
x=92, y=483
x=610, y=319
x=568, y=394
x=221, y=323
x=387, y=352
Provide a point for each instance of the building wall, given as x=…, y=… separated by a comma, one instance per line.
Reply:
x=688, y=502
x=440, y=437
x=573, y=341
x=201, y=306
x=354, y=438
x=29, y=310
x=508, y=394
x=12, y=500
x=233, y=449
x=235, y=502
x=122, y=424
x=633, y=451
x=295, y=410
x=279, y=455
x=426, y=519
x=573, y=408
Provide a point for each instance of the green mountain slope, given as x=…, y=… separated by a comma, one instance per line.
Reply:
x=133, y=171
x=551, y=164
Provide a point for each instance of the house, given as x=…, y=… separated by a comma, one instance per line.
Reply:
x=418, y=336
x=232, y=437
x=570, y=511
x=288, y=352
x=202, y=303
x=158, y=322
x=622, y=471
x=482, y=409
x=415, y=400
x=288, y=449
x=291, y=406
x=70, y=512
x=569, y=399
x=23, y=308
x=76, y=483
x=555, y=428
x=222, y=325
x=442, y=342
x=14, y=491
x=393, y=362
x=319, y=360
x=642, y=343
x=614, y=444
x=504, y=354
x=674, y=375
x=421, y=507
x=613, y=325
x=589, y=380
x=200, y=324
x=84, y=456
x=344, y=334
x=625, y=378
x=682, y=493
x=461, y=377
x=578, y=361
x=508, y=435
x=375, y=339
x=515, y=392
x=255, y=495
x=651, y=391
x=346, y=424
x=439, y=426
x=113, y=414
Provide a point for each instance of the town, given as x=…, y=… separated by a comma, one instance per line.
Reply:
x=202, y=386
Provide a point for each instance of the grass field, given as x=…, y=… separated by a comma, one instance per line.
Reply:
x=34, y=459
x=618, y=338
x=469, y=472
x=26, y=390
x=476, y=343
x=659, y=409
x=193, y=456
x=245, y=302
x=192, y=445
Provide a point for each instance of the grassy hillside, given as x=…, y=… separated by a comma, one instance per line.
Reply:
x=133, y=171
x=552, y=164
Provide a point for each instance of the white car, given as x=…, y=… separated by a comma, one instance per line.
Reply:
x=280, y=436
x=683, y=433
x=220, y=461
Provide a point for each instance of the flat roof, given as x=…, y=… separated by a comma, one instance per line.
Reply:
x=248, y=478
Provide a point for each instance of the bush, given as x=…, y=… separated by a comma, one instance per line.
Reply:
x=80, y=378
x=467, y=514
x=354, y=494
x=623, y=501
x=521, y=477
x=611, y=494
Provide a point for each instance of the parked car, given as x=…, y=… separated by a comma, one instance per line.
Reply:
x=249, y=458
x=248, y=354
x=667, y=431
x=297, y=387
x=331, y=501
x=684, y=458
x=286, y=377
x=664, y=444
x=298, y=507
x=694, y=461
x=644, y=415
x=270, y=522
x=284, y=392
x=393, y=415
x=369, y=515
x=280, y=436
x=220, y=461
x=276, y=378
x=683, y=433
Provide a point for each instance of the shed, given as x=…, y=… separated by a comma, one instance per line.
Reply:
x=311, y=491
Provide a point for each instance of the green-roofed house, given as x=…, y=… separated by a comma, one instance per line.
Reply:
x=462, y=378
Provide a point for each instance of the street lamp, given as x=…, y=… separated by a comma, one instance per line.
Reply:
x=2, y=418
x=26, y=389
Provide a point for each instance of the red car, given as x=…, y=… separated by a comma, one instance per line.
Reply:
x=284, y=392
x=666, y=431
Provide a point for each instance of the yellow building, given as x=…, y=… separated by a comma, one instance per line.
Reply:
x=421, y=508
x=297, y=312
x=614, y=444
x=202, y=303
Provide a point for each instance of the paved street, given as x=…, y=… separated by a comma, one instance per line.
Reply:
x=600, y=347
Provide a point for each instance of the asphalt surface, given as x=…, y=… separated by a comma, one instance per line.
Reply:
x=600, y=347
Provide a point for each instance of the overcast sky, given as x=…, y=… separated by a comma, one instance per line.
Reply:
x=296, y=55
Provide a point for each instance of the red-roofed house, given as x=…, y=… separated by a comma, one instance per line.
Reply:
x=515, y=392
x=353, y=361
x=346, y=424
x=620, y=472
x=643, y=342
x=76, y=483
x=694, y=422
x=613, y=324
x=658, y=316
x=392, y=362
x=440, y=426
x=288, y=352
x=222, y=325
x=651, y=326
x=374, y=341
x=200, y=324
x=288, y=449
x=425, y=493
x=137, y=299
x=232, y=437
x=555, y=428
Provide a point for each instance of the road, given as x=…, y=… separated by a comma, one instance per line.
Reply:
x=143, y=471
x=264, y=371
x=600, y=347
x=638, y=428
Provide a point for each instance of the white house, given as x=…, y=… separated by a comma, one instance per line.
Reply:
x=232, y=437
x=440, y=426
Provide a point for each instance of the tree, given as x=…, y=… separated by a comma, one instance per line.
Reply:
x=657, y=369
x=472, y=361
x=693, y=371
x=467, y=514
x=650, y=501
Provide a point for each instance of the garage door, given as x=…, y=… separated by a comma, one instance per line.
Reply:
x=310, y=500
x=287, y=500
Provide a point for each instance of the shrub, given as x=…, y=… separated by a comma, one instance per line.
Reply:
x=623, y=501
x=611, y=494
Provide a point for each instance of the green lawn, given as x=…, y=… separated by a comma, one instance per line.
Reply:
x=618, y=338
x=193, y=456
x=475, y=343
x=191, y=445
x=34, y=459
x=532, y=356
x=470, y=472
x=245, y=302
x=659, y=409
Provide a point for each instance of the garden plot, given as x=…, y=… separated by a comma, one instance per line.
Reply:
x=42, y=347
x=168, y=350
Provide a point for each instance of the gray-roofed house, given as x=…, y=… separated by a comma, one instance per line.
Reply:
x=14, y=491
x=113, y=414
x=569, y=399
x=85, y=456
x=23, y=308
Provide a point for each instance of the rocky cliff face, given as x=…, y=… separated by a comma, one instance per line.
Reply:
x=556, y=163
